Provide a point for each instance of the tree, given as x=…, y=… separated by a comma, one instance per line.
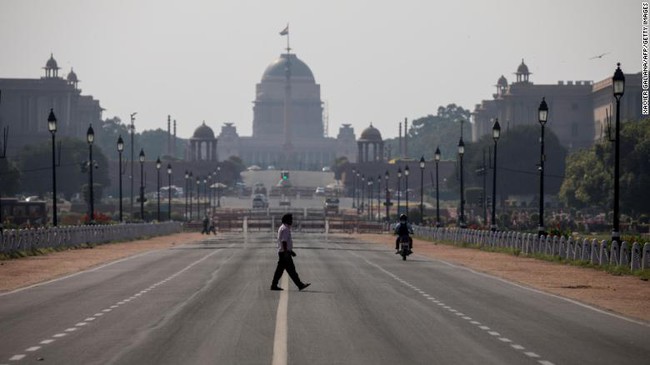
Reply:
x=9, y=177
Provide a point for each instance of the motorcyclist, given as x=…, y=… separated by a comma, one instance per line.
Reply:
x=403, y=229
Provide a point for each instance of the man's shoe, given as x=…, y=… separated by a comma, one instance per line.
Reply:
x=275, y=287
x=304, y=286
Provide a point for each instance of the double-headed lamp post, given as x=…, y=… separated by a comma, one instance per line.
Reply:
x=618, y=82
x=141, y=157
x=436, y=157
x=543, y=118
x=169, y=191
x=422, y=189
x=406, y=176
x=90, y=137
x=120, y=149
x=461, y=152
x=496, y=133
x=158, y=165
x=51, y=126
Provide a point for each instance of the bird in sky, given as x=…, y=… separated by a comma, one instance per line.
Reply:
x=599, y=56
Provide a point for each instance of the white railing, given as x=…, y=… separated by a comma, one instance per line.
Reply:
x=635, y=256
x=68, y=236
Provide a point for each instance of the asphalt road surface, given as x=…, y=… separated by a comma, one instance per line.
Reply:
x=210, y=303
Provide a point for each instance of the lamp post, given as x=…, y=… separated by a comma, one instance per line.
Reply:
x=542, y=117
x=618, y=82
x=132, y=177
x=496, y=133
x=363, y=192
x=142, y=184
x=189, y=189
x=461, y=152
x=387, y=176
x=51, y=126
x=187, y=193
x=169, y=191
x=399, y=187
x=436, y=157
x=90, y=137
x=370, y=182
x=209, y=187
x=406, y=176
x=206, y=208
x=421, y=189
x=218, y=188
x=158, y=164
x=198, y=198
x=120, y=149
x=354, y=187
x=379, y=198
x=358, y=180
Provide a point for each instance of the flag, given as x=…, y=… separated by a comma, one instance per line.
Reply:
x=285, y=31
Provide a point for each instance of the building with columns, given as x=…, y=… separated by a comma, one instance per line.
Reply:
x=203, y=145
x=370, y=145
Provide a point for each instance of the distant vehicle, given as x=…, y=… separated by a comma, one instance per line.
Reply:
x=260, y=202
x=320, y=191
x=326, y=169
x=270, y=167
x=259, y=188
x=331, y=205
x=254, y=168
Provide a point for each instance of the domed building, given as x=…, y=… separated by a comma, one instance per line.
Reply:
x=288, y=126
x=203, y=145
x=371, y=145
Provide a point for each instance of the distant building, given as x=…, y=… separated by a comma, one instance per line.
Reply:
x=26, y=104
x=577, y=109
x=288, y=128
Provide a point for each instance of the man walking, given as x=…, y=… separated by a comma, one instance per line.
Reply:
x=285, y=253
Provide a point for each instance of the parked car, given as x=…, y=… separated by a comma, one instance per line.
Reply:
x=320, y=191
x=260, y=202
x=331, y=205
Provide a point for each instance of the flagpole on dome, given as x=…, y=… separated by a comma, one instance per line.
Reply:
x=285, y=31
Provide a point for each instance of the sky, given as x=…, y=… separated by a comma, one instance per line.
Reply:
x=376, y=61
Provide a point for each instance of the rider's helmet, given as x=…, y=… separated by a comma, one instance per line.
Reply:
x=403, y=218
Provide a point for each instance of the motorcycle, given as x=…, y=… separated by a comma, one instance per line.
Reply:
x=404, y=247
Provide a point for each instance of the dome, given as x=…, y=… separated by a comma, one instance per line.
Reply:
x=51, y=63
x=522, y=69
x=203, y=132
x=371, y=134
x=72, y=76
x=502, y=81
x=278, y=68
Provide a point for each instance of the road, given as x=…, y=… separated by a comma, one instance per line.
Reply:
x=210, y=303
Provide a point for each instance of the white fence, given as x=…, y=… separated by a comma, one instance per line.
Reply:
x=67, y=236
x=635, y=256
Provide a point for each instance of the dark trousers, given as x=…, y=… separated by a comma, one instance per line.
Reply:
x=285, y=262
x=397, y=243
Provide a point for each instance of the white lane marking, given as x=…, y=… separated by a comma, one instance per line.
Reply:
x=89, y=319
x=281, y=325
x=17, y=357
x=503, y=339
x=484, y=328
x=33, y=348
x=517, y=347
x=107, y=310
x=47, y=342
x=80, y=324
x=59, y=335
x=531, y=354
x=494, y=333
x=72, y=329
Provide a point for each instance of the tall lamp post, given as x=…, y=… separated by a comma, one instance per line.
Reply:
x=387, y=176
x=141, y=156
x=543, y=117
x=187, y=193
x=132, y=177
x=619, y=88
x=51, y=126
x=169, y=191
x=358, y=180
x=436, y=157
x=363, y=193
x=370, y=182
x=399, y=187
x=198, y=198
x=120, y=149
x=354, y=187
x=209, y=187
x=218, y=188
x=461, y=152
x=496, y=133
x=158, y=164
x=90, y=137
x=406, y=176
x=206, y=196
x=421, y=189
x=189, y=189
x=379, y=198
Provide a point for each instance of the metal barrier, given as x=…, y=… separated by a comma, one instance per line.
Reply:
x=635, y=256
x=69, y=236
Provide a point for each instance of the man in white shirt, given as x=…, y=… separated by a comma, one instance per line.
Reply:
x=285, y=253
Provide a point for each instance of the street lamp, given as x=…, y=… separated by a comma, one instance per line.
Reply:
x=90, y=137
x=543, y=117
x=406, y=175
x=205, y=196
x=132, y=177
x=51, y=126
x=461, y=152
x=218, y=188
x=120, y=149
x=189, y=189
x=370, y=182
x=496, y=133
x=169, y=191
x=387, y=176
x=209, y=187
x=354, y=187
x=363, y=192
x=158, y=164
x=198, y=198
x=618, y=82
x=399, y=191
x=379, y=198
x=436, y=157
x=141, y=184
x=421, y=189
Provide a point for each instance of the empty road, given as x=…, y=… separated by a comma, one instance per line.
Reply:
x=210, y=303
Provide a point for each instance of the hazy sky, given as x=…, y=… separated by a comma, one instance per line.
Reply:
x=376, y=61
